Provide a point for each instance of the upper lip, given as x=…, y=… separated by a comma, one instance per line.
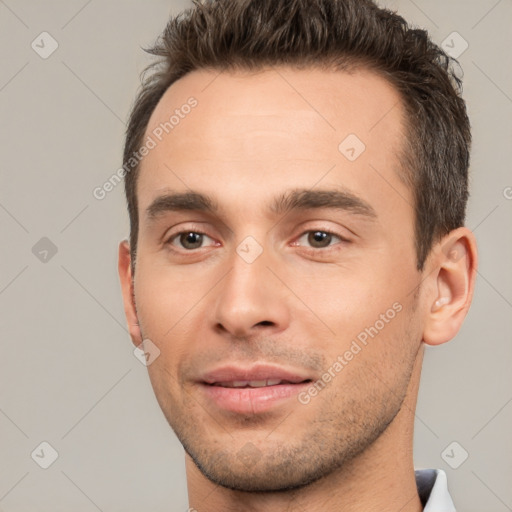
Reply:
x=257, y=372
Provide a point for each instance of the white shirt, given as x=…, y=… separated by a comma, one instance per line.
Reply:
x=433, y=490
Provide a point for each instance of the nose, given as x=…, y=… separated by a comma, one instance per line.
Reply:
x=251, y=299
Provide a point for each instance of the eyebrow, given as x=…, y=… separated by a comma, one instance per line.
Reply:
x=306, y=199
x=180, y=202
x=298, y=199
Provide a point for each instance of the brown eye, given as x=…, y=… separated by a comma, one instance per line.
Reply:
x=319, y=239
x=191, y=240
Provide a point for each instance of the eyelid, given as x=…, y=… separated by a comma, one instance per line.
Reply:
x=198, y=227
x=177, y=235
x=190, y=227
x=308, y=247
x=330, y=231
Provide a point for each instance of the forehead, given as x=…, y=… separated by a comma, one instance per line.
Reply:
x=329, y=101
x=272, y=127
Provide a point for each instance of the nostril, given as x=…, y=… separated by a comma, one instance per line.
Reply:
x=265, y=322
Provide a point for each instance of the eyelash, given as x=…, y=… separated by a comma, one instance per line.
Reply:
x=340, y=238
x=325, y=249
x=176, y=236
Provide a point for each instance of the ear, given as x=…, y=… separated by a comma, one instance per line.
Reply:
x=453, y=272
x=125, y=275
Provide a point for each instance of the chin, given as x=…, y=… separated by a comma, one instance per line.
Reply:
x=266, y=479
x=277, y=470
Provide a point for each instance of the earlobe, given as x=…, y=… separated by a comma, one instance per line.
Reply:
x=125, y=276
x=454, y=261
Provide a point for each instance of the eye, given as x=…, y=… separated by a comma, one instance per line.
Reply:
x=190, y=240
x=319, y=239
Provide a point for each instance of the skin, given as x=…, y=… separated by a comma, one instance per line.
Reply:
x=253, y=137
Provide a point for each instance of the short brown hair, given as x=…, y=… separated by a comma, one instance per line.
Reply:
x=337, y=34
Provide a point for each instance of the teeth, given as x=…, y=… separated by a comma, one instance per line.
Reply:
x=257, y=383
x=249, y=383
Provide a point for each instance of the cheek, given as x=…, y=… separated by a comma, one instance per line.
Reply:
x=348, y=299
x=172, y=312
x=165, y=298
x=376, y=363
x=370, y=318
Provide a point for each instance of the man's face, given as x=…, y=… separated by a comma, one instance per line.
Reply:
x=277, y=254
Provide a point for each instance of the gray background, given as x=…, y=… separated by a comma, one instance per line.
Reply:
x=68, y=373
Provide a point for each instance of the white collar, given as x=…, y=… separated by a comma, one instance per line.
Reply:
x=433, y=487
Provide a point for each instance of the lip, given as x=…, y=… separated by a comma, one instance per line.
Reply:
x=247, y=400
x=254, y=372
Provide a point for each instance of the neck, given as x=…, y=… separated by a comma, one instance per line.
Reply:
x=383, y=475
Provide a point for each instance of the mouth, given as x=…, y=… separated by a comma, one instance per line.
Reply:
x=253, y=390
x=255, y=383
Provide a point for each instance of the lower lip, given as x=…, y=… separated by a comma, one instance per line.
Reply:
x=252, y=400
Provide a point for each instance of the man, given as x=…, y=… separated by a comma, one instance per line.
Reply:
x=296, y=177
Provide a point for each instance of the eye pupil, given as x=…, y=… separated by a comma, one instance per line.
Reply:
x=191, y=240
x=319, y=238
